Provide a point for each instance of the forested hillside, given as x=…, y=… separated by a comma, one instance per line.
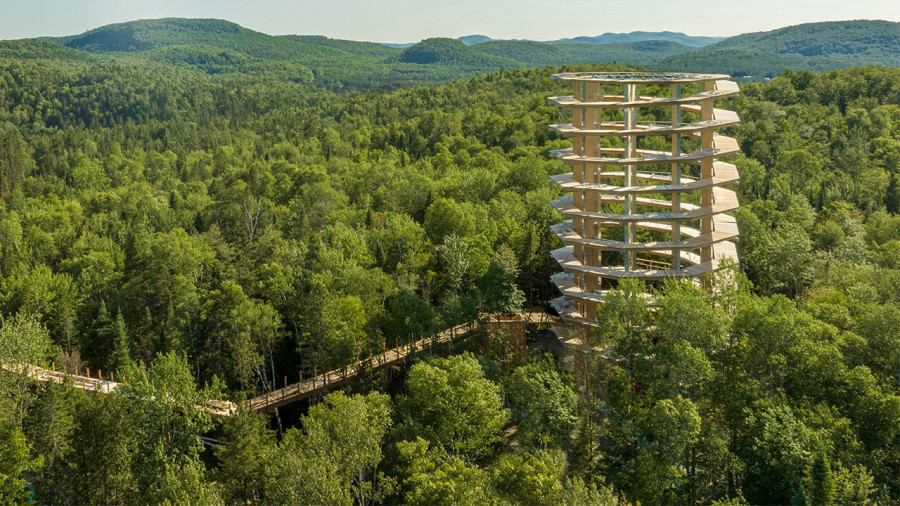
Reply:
x=537, y=54
x=203, y=234
x=350, y=46
x=220, y=47
x=644, y=53
x=742, y=63
x=443, y=51
x=869, y=41
x=216, y=46
x=811, y=46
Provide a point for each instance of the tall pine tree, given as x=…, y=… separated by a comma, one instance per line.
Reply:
x=820, y=482
x=120, y=359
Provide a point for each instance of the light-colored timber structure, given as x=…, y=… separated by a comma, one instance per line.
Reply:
x=86, y=382
x=645, y=196
x=340, y=377
x=290, y=393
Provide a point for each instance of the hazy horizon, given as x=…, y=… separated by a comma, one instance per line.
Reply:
x=401, y=21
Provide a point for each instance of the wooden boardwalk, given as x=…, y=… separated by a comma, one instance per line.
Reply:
x=215, y=408
x=270, y=400
x=340, y=377
x=85, y=383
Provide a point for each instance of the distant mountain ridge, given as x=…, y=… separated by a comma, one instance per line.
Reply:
x=351, y=46
x=471, y=40
x=606, y=38
x=681, y=38
x=217, y=47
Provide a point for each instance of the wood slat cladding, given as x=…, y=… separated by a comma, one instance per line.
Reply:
x=632, y=209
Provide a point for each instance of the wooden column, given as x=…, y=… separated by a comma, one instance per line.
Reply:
x=706, y=171
x=578, y=172
x=630, y=144
x=592, y=198
x=676, y=177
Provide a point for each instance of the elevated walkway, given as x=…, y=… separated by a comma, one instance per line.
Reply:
x=340, y=377
x=724, y=88
x=270, y=400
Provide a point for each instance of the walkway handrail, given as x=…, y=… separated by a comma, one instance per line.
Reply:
x=271, y=398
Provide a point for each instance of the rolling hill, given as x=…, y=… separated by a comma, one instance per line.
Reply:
x=858, y=41
x=218, y=47
x=644, y=53
x=746, y=63
x=147, y=34
x=442, y=51
x=525, y=51
x=214, y=60
x=221, y=47
x=33, y=49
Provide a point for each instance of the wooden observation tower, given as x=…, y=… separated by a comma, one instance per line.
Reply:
x=645, y=197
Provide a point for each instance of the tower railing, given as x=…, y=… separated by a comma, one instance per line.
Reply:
x=645, y=197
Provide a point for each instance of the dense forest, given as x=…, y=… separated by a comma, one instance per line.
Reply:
x=202, y=234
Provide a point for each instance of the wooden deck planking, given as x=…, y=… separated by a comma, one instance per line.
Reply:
x=274, y=399
x=337, y=378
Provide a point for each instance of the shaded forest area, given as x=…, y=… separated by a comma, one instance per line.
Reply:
x=201, y=235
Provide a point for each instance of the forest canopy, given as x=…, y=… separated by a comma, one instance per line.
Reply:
x=204, y=234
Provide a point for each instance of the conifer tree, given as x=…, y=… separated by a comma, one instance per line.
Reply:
x=94, y=342
x=120, y=359
x=892, y=196
x=800, y=498
x=820, y=481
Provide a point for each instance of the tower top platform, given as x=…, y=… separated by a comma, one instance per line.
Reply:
x=640, y=77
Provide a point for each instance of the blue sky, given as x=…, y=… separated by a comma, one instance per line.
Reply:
x=413, y=20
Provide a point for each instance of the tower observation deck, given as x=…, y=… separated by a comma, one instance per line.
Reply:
x=645, y=197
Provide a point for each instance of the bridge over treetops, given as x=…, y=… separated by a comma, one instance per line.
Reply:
x=289, y=393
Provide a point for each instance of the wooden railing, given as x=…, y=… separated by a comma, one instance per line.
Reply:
x=271, y=399
x=647, y=263
x=80, y=382
x=340, y=377
x=88, y=383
